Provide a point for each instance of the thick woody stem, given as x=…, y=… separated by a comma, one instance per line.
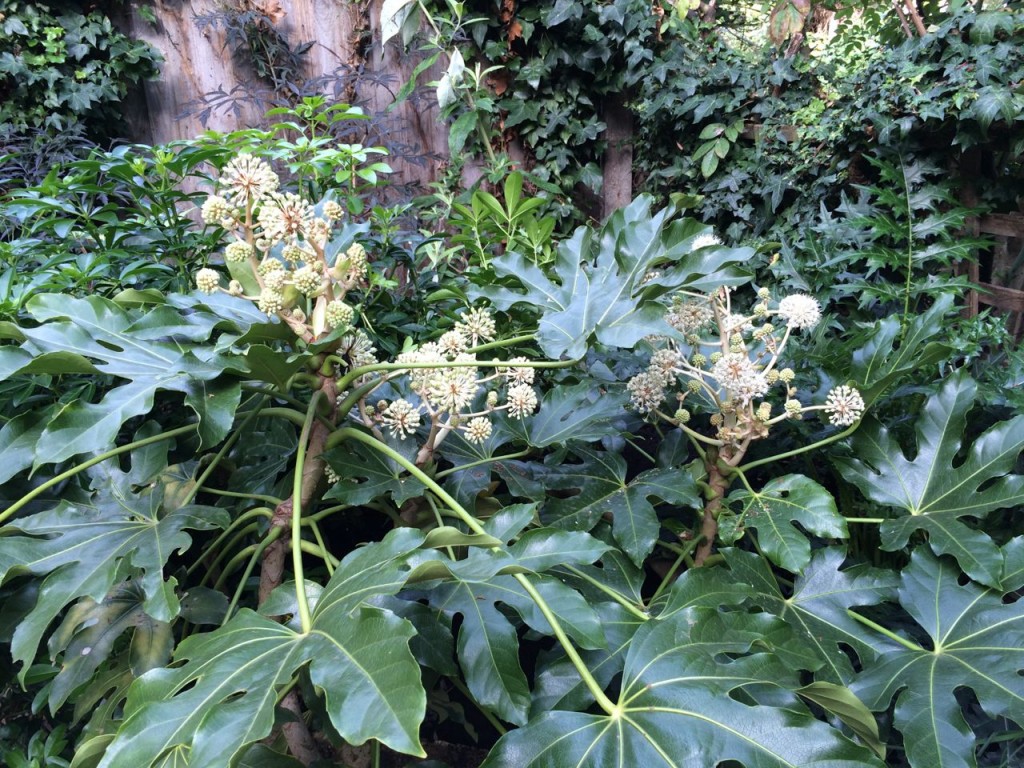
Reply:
x=297, y=735
x=718, y=484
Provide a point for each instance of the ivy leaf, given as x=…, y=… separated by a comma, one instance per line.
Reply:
x=96, y=335
x=222, y=697
x=367, y=474
x=994, y=102
x=974, y=644
x=598, y=290
x=83, y=549
x=601, y=482
x=935, y=489
x=782, y=502
x=683, y=705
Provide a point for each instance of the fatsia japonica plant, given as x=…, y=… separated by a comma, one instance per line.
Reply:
x=562, y=510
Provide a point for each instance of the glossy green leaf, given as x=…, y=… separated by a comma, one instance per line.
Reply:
x=367, y=475
x=542, y=548
x=841, y=702
x=936, y=488
x=488, y=644
x=86, y=637
x=974, y=642
x=18, y=440
x=578, y=412
x=599, y=291
x=97, y=335
x=682, y=705
x=889, y=353
x=817, y=609
x=83, y=549
x=774, y=509
x=602, y=489
x=558, y=684
x=221, y=698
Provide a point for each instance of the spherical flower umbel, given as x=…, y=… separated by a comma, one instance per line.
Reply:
x=646, y=390
x=522, y=401
x=478, y=429
x=800, y=311
x=207, y=280
x=453, y=343
x=518, y=375
x=215, y=209
x=284, y=216
x=271, y=302
x=689, y=316
x=844, y=406
x=740, y=377
x=339, y=314
x=477, y=324
x=237, y=251
x=333, y=210
x=307, y=280
x=705, y=240
x=401, y=418
x=275, y=279
x=248, y=178
x=453, y=389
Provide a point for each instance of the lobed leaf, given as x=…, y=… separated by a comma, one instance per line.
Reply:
x=934, y=489
x=974, y=643
x=222, y=698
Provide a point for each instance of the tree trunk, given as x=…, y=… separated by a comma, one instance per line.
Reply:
x=346, y=63
x=617, y=188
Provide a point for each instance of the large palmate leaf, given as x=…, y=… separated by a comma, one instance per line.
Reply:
x=150, y=351
x=599, y=289
x=222, y=698
x=367, y=474
x=890, y=351
x=935, y=489
x=684, y=703
x=89, y=631
x=581, y=412
x=974, y=643
x=817, y=610
x=774, y=509
x=602, y=490
x=488, y=644
x=84, y=548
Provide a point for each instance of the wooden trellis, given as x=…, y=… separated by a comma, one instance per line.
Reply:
x=999, y=273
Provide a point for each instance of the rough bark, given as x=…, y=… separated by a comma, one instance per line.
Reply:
x=617, y=189
x=196, y=63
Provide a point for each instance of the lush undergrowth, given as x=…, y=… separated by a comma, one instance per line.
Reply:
x=289, y=481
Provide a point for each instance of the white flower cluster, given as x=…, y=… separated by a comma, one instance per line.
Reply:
x=729, y=361
x=447, y=383
x=844, y=406
x=277, y=257
x=740, y=377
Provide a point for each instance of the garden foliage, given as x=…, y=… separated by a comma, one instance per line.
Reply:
x=287, y=484
x=614, y=505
